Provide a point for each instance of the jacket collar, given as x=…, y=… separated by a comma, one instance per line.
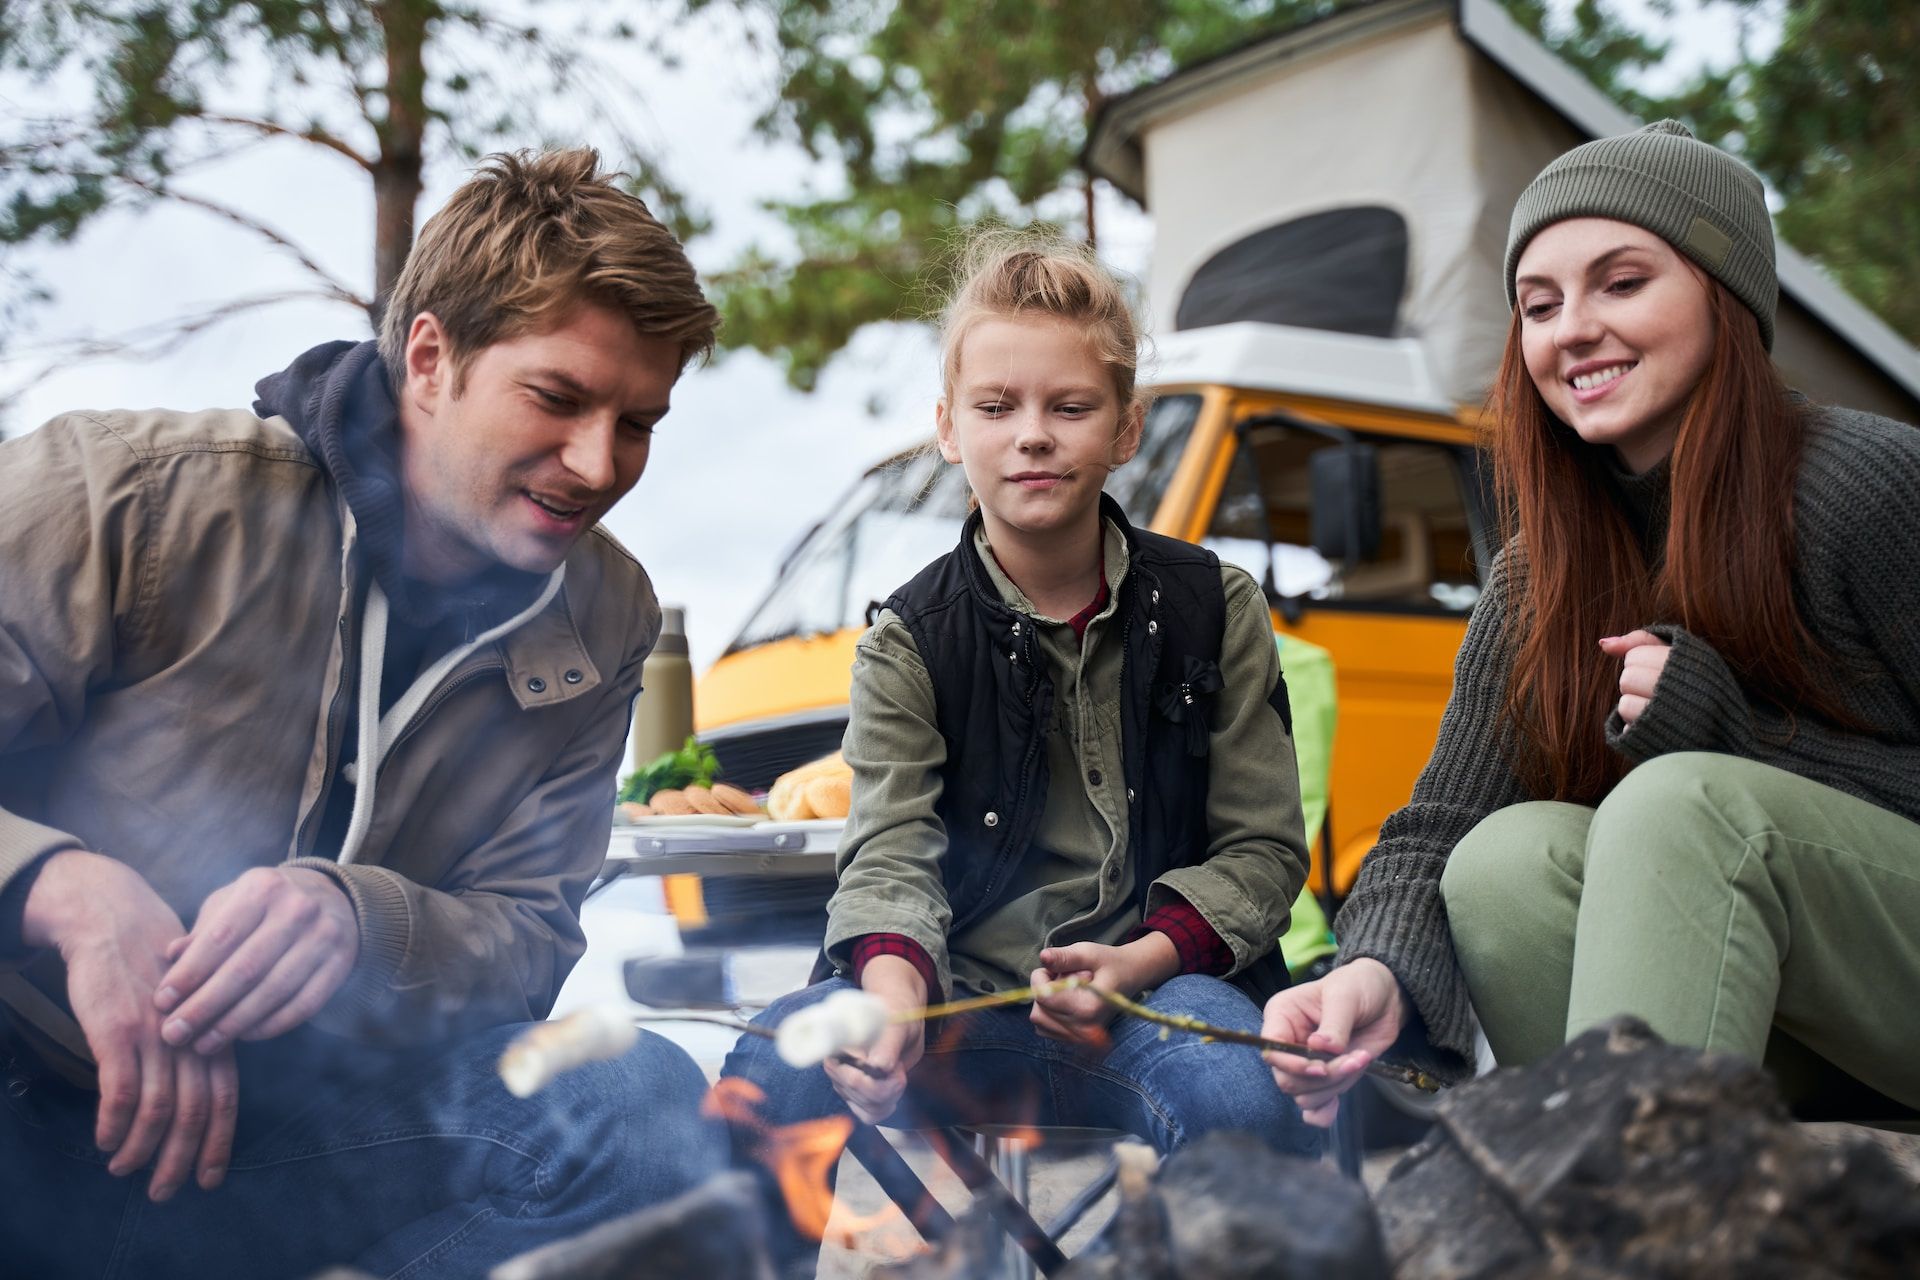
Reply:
x=546, y=661
x=987, y=592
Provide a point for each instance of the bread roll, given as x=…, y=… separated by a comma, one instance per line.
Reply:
x=787, y=802
x=704, y=801
x=670, y=801
x=831, y=796
x=736, y=800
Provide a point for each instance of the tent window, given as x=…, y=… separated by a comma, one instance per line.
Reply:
x=1339, y=269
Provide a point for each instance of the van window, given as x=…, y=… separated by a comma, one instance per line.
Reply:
x=906, y=513
x=1426, y=562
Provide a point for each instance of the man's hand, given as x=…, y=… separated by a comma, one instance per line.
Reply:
x=268, y=951
x=1644, y=657
x=1356, y=1011
x=898, y=985
x=156, y=1103
x=1081, y=1016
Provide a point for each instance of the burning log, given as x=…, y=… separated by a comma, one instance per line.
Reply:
x=1623, y=1155
x=714, y=1232
x=1229, y=1207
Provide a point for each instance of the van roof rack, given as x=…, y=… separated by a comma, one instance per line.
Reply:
x=1312, y=362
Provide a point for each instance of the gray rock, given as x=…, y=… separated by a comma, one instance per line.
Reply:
x=714, y=1232
x=1229, y=1206
x=1621, y=1155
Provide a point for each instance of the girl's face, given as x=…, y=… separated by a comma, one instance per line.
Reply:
x=1035, y=419
x=1616, y=328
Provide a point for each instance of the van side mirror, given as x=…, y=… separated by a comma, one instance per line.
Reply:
x=1345, y=483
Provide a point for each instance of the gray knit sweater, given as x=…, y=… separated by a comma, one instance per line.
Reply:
x=1857, y=585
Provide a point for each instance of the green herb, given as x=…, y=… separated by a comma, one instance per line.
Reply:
x=693, y=765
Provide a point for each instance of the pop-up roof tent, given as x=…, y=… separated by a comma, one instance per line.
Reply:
x=1356, y=175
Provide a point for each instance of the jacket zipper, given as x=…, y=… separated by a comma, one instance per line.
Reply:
x=1020, y=797
x=326, y=781
x=436, y=698
x=439, y=696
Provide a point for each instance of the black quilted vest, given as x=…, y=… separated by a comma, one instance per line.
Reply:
x=994, y=701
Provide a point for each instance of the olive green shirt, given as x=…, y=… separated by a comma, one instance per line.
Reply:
x=1077, y=882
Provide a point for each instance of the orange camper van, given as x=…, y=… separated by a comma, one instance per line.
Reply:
x=1329, y=465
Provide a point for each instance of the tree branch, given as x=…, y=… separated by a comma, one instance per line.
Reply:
x=148, y=342
x=273, y=128
x=335, y=287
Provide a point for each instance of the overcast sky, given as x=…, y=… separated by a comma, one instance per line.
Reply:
x=740, y=468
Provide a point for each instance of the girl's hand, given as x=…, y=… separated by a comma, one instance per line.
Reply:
x=1081, y=1016
x=898, y=985
x=1357, y=1011
x=1644, y=657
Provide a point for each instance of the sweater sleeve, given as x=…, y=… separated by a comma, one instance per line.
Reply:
x=889, y=861
x=1395, y=914
x=1858, y=533
x=1698, y=705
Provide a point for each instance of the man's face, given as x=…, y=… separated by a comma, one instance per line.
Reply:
x=549, y=430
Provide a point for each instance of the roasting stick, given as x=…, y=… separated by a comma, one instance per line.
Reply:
x=1178, y=1022
x=844, y=1021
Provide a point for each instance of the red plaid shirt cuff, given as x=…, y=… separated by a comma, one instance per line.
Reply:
x=869, y=945
x=1200, y=949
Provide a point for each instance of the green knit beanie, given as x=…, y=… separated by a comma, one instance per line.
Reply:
x=1696, y=197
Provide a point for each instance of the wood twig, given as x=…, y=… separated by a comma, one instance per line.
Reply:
x=1178, y=1022
x=866, y=1069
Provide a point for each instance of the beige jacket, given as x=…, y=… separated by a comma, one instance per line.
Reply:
x=176, y=646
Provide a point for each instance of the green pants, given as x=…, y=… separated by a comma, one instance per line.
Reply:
x=1727, y=903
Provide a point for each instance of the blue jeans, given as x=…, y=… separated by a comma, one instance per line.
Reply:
x=992, y=1067
x=417, y=1164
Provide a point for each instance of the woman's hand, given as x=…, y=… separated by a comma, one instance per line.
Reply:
x=1080, y=1016
x=1644, y=657
x=1357, y=1012
x=898, y=985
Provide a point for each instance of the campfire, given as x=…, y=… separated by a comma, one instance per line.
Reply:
x=1619, y=1156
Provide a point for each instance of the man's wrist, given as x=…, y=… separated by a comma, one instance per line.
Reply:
x=63, y=894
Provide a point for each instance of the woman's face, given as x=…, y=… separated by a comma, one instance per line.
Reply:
x=1616, y=328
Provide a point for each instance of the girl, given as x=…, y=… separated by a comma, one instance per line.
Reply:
x=1071, y=754
x=1680, y=773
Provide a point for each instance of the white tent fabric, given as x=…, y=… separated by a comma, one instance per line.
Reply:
x=1393, y=105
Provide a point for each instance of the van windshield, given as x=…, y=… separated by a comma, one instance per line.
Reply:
x=907, y=512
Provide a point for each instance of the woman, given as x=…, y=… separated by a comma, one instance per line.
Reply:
x=1679, y=775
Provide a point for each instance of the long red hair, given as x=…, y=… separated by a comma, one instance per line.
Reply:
x=1726, y=572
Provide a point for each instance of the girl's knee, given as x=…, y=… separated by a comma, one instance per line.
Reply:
x=1677, y=803
x=1507, y=854
x=1676, y=784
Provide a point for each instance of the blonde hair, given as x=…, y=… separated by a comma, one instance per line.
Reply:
x=530, y=237
x=1008, y=274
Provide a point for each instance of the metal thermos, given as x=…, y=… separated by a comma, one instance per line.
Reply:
x=663, y=717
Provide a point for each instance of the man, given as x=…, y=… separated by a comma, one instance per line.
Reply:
x=309, y=719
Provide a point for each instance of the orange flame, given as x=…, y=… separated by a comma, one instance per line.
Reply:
x=801, y=1156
